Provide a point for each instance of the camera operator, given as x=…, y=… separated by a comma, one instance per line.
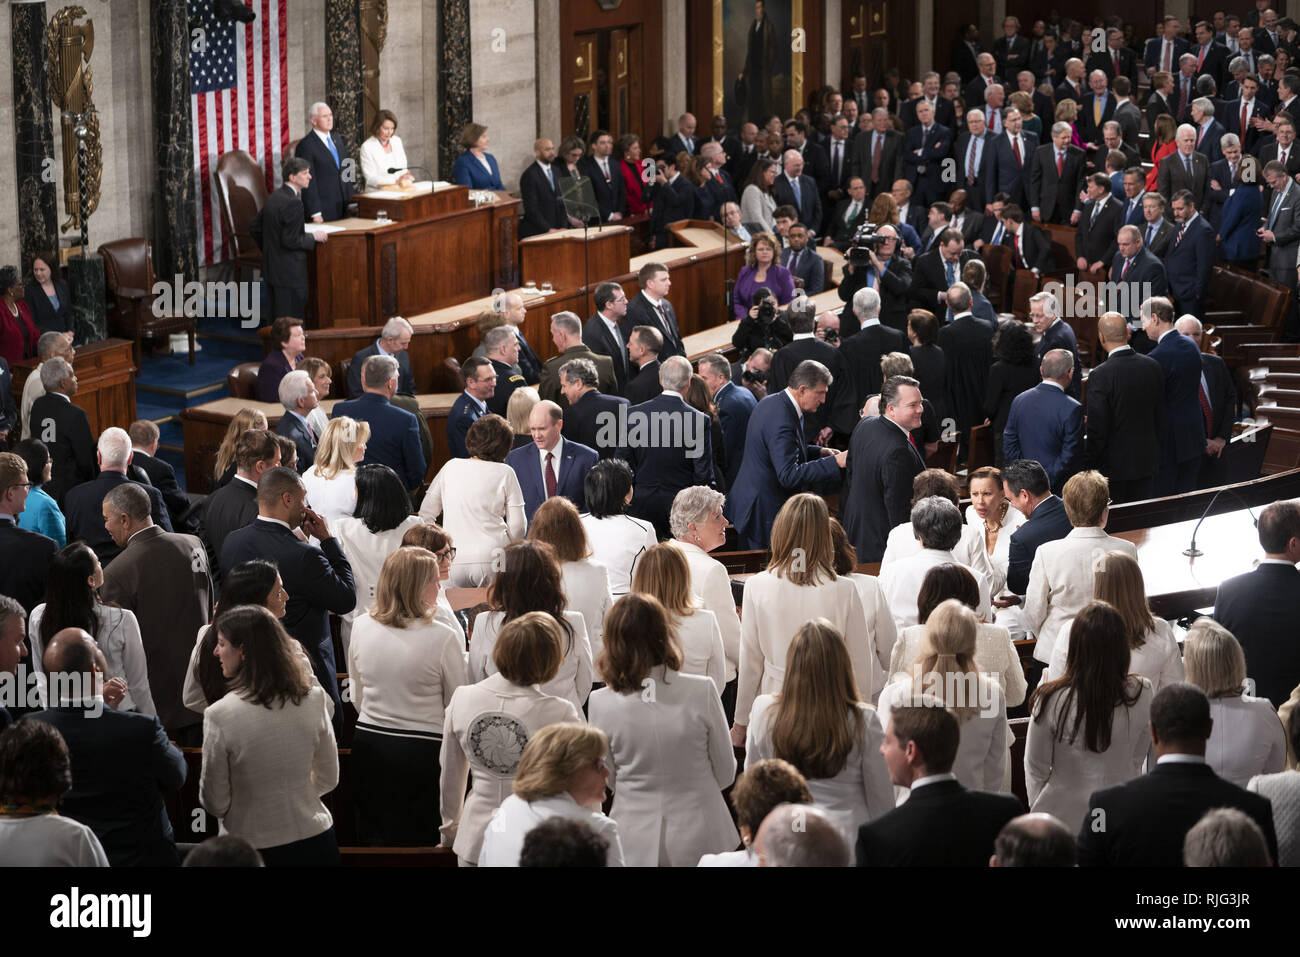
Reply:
x=873, y=261
x=763, y=327
x=752, y=372
x=828, y=329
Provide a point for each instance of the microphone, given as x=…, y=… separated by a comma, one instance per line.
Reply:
x=408, y=169
x=1192, y=551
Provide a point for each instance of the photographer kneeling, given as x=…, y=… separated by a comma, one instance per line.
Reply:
x=762, y=286
x=874, y=261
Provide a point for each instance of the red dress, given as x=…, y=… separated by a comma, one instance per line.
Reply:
x=1157, y=155
x=636, y=204
x=18, y=334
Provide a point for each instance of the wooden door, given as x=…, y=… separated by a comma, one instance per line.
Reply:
x=624, y=92
x=584, y=88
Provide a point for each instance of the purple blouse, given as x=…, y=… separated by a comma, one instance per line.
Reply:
x=778, y=280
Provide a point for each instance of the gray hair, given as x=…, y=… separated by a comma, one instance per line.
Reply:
x=992, y=90
x=8, y=608
x=316, y=108
x=803, y=314
x=1057, y=363
x=866, y=303
x=675, y=373
x=801, y=835
x=1238, y=64
x=1110, y=125
x=809, y=374
x=695, y=503
x=1188, y=56
x=130, y=500
x=581, y=370
x=294, y=388
x=717, y=362
x=48, y=344
x=378, y=371
x=959, y=297
x=1050, y=305
x=1226, y=837
x=974, y=112
x=1229, y=139
x=1060, y=127
x=394, y=328
x=1188, y=321
x=1205, y=105
x=880, y=110
x=496, y=337
x=114, y=448
x=936, y=523
x=53, y=371
x=568, y=323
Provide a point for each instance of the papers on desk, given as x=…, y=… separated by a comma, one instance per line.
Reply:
x=321, y=228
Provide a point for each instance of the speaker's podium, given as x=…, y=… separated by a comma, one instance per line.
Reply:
x=567, y=258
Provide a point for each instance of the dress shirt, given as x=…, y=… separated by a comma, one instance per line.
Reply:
x=482, y=406
x=612, y=326
x=555, y=455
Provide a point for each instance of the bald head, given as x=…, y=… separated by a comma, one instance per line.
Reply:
x=1034, y=840
x=1112, y=329
x=73, y=651
x=800, y=835
x=1191, y=327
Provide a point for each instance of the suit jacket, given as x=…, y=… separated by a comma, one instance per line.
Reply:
x=597, y=337
x=583, y=422
x=1105, y=62
x=1184, y=434
x=329, y=191
x=1269, y=151
x=543, y=209
x=930, y=277
x=1221, y=173
x=1172, y=176
x=549, y=387
x=1046, y=425
x=1055, y=196
x=1163, y=238
x=944, y=113
x=1060, y=335
x=1158, y=105
x=722, y=188
x=163, y=477
x=1012, y=55
x=677, y=143
x=891, y=160
x=811, y=269
x=1005, y=175
x=1261, y=606
x=972, y=224
x=645, y=384
x=973, y=92
x=1129, y=118
x=735, y=405
x=1035, y=249
x=941, y=825
x=123, y=766
x=405, y=377
x=44, y=316
x=977, y=187
x=164, y=580
x=840, y=410
x=24, y=580
x=1250, y=140
x=1286, y=234
x=641, y=313
x=1048, y=523
x=1189, y=265
x=278, y=230
x=1147, y=818
x=673, y=202
x=1066, y=91
x=464, y=412
x=1089, y=131
x=810, y=202
x=1126, y=412
x=1210, y=143
x=1146, y=272
x=893, y=286
x=877, y=492
x=662, y=468
x=924, y=170
x=967, y=345
x=1222, y=395
x=841, y=231
x=269, y=375
x=8, y=408
x=64, y=427
x=861, y=352
x=291, y=427
x=83, y=507
x=576, y=460
x=1094, y=240
x=231, y=507
x=611, y=196
x=394, y=436
x=816, y=165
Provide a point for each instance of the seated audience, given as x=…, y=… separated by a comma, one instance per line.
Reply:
x=332, y=479
x=585, y=580
x=938, y=528
x=1226, y=837
x=617, y=539
x=762, y=268
x=299, y=398
x=40, y=513
x=1034, y=840
x=225, y=466
x=394, y=340
x=562, y=842
x=322, y=379
x=761, y=787
x=792, y=836
x=290, y=342
x=663, y=573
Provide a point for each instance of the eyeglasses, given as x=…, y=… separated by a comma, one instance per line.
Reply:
x=18, y=485
x=446, y=555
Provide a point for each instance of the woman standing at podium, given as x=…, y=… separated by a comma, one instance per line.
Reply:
x=383, y=151
x=476, y=167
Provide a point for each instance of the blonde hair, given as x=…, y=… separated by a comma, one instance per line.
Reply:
x=802, y=550
x=337, y=451
x=1067, y=111
x=520, y=407
x=751, y=257
x=243, y=420
x=403, y=579
x=1214, y=659
x=662, y=571
x=1086, y=497
x=949, y=649
x=1118, y=582
x=554, y=756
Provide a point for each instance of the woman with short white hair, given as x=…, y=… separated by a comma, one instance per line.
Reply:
x=331, y=482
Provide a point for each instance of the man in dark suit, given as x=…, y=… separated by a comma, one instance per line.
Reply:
x=278, y=230
x=590, y=412
x=1184, y=169
x=1129, y=119
x=1026, y=486
x=1099, y=100
x=1011, y=51
x=926, y=146
x=317, y=578
x=1056, y=178
x=123, y=766
x=1126, y=410
x=839, y=413
x=816, y=163
x=329, y=190
x=601, y=333
x=394, y=433
x=1055, y=333
x=64, y=428
x=234, y=505
x=1182, y=443
x=83, y=503
x=1209, y=131
x=1162, y=52
x=1282, y=232
x=1261, y=606
x=643, y=347
x=883, y=460
x=8, y=408
x=1252, y=107
x=986, y=76
x=777, y=462
x=543, y=208
x=26, y=554
x=144, y=455
x=1046, y=425
x=974, y=155
x=13, y=629
x=480, y=385
x=1030, y=248
x=799, y=190
x=942, y=824
x=1283, y=144
x=665, y=463
x=683, y=140
x=606, y=177
x=1211, y=57
x=674, y=199
x=298, y=396
x=933, y=273
x=651, y=308
x=735, y=404
x=1146, y=820
x=966, y=220
x=944, y=113
x=1094, y=241
x=803, y=261
x=1135, y=272
x=502, y=349
x=551, y=465
x=1158, y=229
x=718, y=182
x=1010, y=156
x=1223, y=180
x=1189, y=261
x=839, y=154
x=164, y=580
x=566, y=333
x=863, y=348
x=395, y=341
x=848, y=216
x=741, y=160
x=1115, y=60
x=877, y=154
x=1218, y=399
x=965, y=52
x=967, y=345
x=888, y=272
x=1072, y=87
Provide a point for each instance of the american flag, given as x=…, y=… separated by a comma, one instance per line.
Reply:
x=239, y=76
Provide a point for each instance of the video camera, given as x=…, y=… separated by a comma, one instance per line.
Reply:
x=865, y=241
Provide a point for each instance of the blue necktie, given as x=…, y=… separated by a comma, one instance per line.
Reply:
x=329, y=141
x=798, y=197
x=1187, y=164
x=550, y=177
x=949, y=269
x=1272, y=215
x=997, y=235
x=1151, y=231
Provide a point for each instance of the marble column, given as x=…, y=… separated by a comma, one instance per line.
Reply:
x=344, y=86
x=455, y=81
x=86, y=283
x=38, y=216
x=175, y=225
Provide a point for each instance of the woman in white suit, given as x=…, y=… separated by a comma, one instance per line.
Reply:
x=1091, y=728
x=663, y=574
x=435, y=540
x=818, y=723
x=331, y=482
x=1283, y=790
x=269, y=753
x=488, y=724
x=383, y=516
x=699, y=527
x=969, y=549
x=617, y=539
x=799, y=585
x=1153, y=650
x=586, y=581
x=383, y=151
x=480, y=501
x=880, y=623
x=669, y=752
x=1247, y=738
x=562, y=773
x=530, y=580
x=996, y=519
x=947, y=672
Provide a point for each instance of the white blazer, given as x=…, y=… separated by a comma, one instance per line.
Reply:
x=860, y=792
x=334, y=498
x=1061, y=775
x=400, y=679
x=1159, y=660
x=375, y=161
x=586, y=589
x=572, y=682
x=995, y=655
x=670, y=756
x=482, y=509
x=119, y=640
x=701, y=642
x=1247, y=739
x=503, y=840
x=757, y=206
x=366, y=552
x=774, y=608
x=880, y=622
x=901, y=583
x=711, y=584
x=1061, y=581
x=617, y=541
x=1001, y=554
x=192, y=692
x=266, y=769
x=484, y=731
x=1283, y=792
x=969, y=551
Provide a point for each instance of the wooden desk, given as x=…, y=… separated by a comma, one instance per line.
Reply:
x=105, y=383
x=204, y=426
x=568, y=257
x=421, y=201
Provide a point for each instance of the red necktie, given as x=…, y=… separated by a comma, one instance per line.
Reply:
x=1127, y=263
x=1200, y=60
x=1015, y=148
x=1060, y=163
x=1115, y=55
x=1205, y=410
x=1281, y=157
x=1245, y=112
x=912, y=440
x=550, y=477
x=1200, y=134
x=1015, y=244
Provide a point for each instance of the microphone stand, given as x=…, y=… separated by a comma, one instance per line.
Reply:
x=1192, y=551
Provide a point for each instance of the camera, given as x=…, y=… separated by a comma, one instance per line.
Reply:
x=865, y=241
x=766, y=310
x=831, y=336
x=747, y=375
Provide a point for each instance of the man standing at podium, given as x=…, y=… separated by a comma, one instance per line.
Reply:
x=330, y=189
x=278, y=231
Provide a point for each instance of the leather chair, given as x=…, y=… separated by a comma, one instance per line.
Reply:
x=241, y=193
x=129, y=277
x=241, y=381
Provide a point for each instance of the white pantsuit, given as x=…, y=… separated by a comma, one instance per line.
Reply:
x=572, y=682
x=969, y=551
x=711, y=584
x=586, y=591
x=482, y=509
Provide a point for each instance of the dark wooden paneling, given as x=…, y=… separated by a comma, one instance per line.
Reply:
x=584, y=17
x=105, y=383
x=875, y=54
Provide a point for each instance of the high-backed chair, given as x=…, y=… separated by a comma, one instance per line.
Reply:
x=241, y=193
x=129, y=278
x=241, y=381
